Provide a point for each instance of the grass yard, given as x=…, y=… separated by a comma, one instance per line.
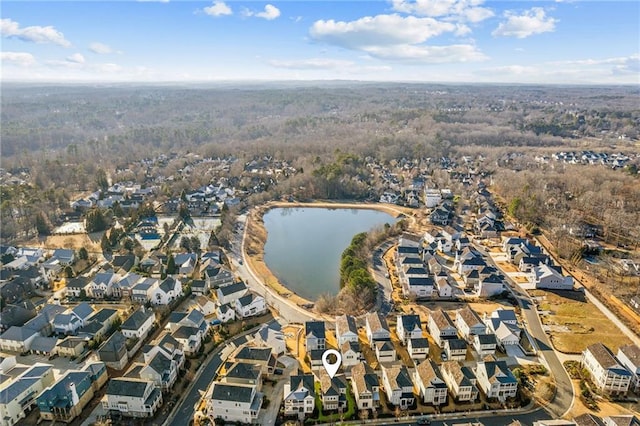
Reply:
x=576, y=323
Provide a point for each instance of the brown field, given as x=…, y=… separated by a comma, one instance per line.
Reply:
x=576, y=323
x=71, y=241
x=606, y=408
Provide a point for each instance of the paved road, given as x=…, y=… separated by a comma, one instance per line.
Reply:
x=563, y=399
x=186, y=408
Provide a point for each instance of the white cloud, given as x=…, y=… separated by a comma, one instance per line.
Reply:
x=464, y=10
x=100, y=48
x=22, y=59
x=270, y=12
x=76, y=58
x=396, y=38
x=533, y=21
x=380, y=30
x=312, y=64
x=219, y=8
x=35, y=34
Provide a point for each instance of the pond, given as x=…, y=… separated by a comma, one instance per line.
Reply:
x=304, y=245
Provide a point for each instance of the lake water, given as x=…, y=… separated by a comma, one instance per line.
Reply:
x=304, y=245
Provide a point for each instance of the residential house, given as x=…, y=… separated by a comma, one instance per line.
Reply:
x=469, y=323
x=315, y=337
x=78, y=287
x=430, y=385
x=271, y=335
x=18, y=339
x=455, y=349
x=629, y=357
x=70, y=322
x=124, y=287
x=398, y=386
x=385, y=351
x=18, y=396
x=16, y=314
x=333, y=391
x=143, y=291
x=621, y=420
x=46, y=346
x=260, y=356
x=485, y=344
x=169, y=346
x=190, y=338
x=234, y=403
x=99, y=324
x=66, y=398
x=376, y=328
x=123, y=264
x=230, y=293
x=444, y=288
x=550, y=277
x=217, y=276
x=315, y=359
x=488, y=286
x=351, y=354
x=113, y=352
x=130, y=397
x=346, y=329
x=225, y=313
x=160, y=369
x=241, y=373
x=365, y=386
x=250, y=305
x=408, y=327
x=199, y=288
x=168, y=291
x=441, y=327
x=299, y=395
x=607, y=373
x=185, y=263
x=138, y=324
x=205, y=305
x=418, y=348
x=71, y=347
x=460, y=381
x=101, y=285
x=496, y=380
x=420, y=287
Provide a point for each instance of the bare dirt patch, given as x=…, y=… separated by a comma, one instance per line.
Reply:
x=575, y=323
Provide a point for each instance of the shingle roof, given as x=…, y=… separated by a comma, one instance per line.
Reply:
x=428, y=373
x=136, y=320
x=232, y=288
x=131, y=387
x=232, y=392
x=344, y=324
x=314, y=328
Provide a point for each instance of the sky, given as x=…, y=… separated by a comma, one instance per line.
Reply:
x=470, y=41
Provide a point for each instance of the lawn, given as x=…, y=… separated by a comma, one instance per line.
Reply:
x=575, y=323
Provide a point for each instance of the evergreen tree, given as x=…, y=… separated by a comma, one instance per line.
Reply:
x=83, y=254
x=171, y=264
x=42, y=224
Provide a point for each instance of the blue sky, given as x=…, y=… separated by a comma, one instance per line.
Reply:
x=566, y=42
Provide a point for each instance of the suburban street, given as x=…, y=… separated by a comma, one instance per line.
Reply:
x=563, y=399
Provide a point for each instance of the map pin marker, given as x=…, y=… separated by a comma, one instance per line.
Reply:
x=331, y=367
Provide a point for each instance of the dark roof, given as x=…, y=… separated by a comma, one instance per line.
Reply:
x=231, y=392
x=243, y=370
x=420, y=342
x=232, y=288
x=456, y=344
x=410, y=322
x=247, y=299
x=314, y=328
x=103, y=315
x=78, y=282
x=136, y=319
x=486, y=339
x=168, y=284
x=127, y=387
x=258, y=354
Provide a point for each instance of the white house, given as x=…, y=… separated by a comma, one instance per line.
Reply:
x=234, y=402
x=271, y=335
x=225, y=313
x=420, y=287
x=101, y=285
x=315, y=337
x=418, y=348
x=132, y=397
x=408, y=327
x=365, y=387
x=250, y=305
x=444, y=288
x=72, y=320
x=549, y=277
x=18, y=396
x=485, y=344
x=168, y=290
x=346, y=330
x=376, y=328
x=351, y=354
x=138, y=324
x=629, y=357
x=398, y=386
x=496, y=380
x=230, y=293
x=385, y=351
x=143, y=291
x=607, y=373
x=455, y=349
x=491, y=285
x=460, y=381
x=205, y=305
x=430, y=385
x=299, y=395
x=441, y=327
x=469, y=323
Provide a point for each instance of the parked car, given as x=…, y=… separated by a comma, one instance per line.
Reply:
x=215, y=322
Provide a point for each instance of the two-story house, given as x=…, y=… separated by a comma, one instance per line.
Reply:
x=250, y=305
x=629, y=357
x=408, y=327
x=485, y=344
x=168, y=290
x=496, y=380
x=460, y=380
x=469, y=323
x=398, y=386
x=138, y=324
x=333, y=391
x=315, y=337
x=418, y=348
x=130, y=397
x=607, y=373
x=441, y=327
x=299, y=395
x=230, y=293
x=234, y=403
x=346, y=329
x=430, y=385
x=365, y=386
x=377, y=328
x=385, y=351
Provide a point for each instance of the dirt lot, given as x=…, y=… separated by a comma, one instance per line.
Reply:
x=606, y=408
x=575, y=323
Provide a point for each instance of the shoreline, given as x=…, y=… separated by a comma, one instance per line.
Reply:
x=257, y=237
